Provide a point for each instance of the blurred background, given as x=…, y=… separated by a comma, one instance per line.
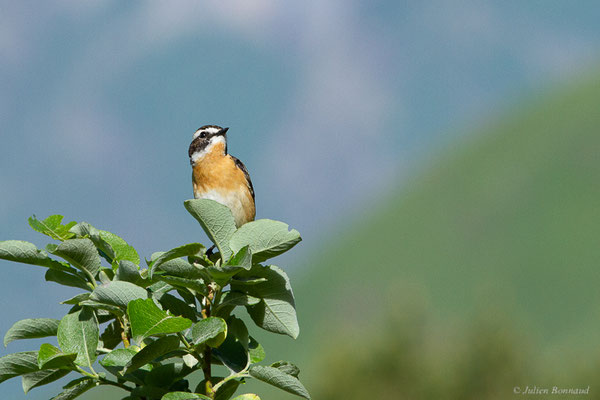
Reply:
x=441, y=160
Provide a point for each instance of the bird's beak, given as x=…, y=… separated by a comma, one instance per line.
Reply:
x=222, y=132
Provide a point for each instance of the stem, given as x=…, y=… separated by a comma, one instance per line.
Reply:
x=206, y=302
x=210, y=392
x=91, y=278
x=242, y=374
x=117, y=384
x=84, y=372
x=125, y=339
x=124, y=335
x=93, y=372
x=101, y=379
x=103, y=350
x=207, y=359
x=184, y=340
x=218, y=293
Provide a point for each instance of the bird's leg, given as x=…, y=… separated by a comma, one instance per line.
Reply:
x=210, y=250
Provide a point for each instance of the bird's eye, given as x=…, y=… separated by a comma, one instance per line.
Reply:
x=203, y=135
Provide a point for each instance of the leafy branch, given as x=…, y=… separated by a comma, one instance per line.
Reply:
x=151, y=327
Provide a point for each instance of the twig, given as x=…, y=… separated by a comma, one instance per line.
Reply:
x=242, y=374
x=207, y=359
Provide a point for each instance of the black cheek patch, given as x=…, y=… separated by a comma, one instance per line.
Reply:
x=197, y=144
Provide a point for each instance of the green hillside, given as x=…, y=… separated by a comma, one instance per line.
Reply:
x=506, y=221
x=512, y=218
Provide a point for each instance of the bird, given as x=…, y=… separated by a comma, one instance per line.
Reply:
x=219, y=176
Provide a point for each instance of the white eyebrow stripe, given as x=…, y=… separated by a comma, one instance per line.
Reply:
x=207, y=130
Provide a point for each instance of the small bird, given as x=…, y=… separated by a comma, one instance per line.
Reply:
x=219, y=176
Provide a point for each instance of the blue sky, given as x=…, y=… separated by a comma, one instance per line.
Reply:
x=329, y=104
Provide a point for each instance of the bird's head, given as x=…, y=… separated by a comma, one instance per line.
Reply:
x=207, y=139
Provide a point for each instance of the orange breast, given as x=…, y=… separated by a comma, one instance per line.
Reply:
x=217, y=177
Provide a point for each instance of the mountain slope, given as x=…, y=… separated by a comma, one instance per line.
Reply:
x=509, y=219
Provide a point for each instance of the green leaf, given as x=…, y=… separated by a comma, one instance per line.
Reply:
x=238, y=299
x=122, y=250
x=118, y=358
x=211, y=330
x=187, y=297
x=241, y=261
x=184, y=396
x=275, y=315
x=53, y=227
x=280, y=379
x=118, y=293
x=76, y=299
x=222, y=277
x=27, y=253
x=51, y=357
x=148, y=392
x=148, y=320
x=40, y=378
x=266, y=238
x=177, y=307
x=102, y=315
x=247, y=396
x=111, y=337
x=276, y=312
x=78, y=332
x=17, y=364
x=256, y=351
x=196, y=285
x=233, y=352
x=185, y=250
x=227, y=390
x=129, y=272
x=181, y=268
x=67, y=278
x=154, y=256
x=81, y=253
x=159, y=288
x=98, y=307
x=31, y=329
x=43, y=377
x=106, y=275
x=238, y=330
x=85, y=230
x=165, y=375
x=287, y=367
x=217, y=221
x=151, y=352
x=180, y=385
x=72, y=391
x=77, y=380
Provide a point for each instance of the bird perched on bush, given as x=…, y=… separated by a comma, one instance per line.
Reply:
x=219, y=176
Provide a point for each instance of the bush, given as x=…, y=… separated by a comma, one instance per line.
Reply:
x=150, y=328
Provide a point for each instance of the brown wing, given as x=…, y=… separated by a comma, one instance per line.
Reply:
x=241, y=166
